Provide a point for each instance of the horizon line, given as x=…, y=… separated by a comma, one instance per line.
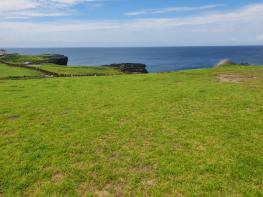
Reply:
x=179, y=46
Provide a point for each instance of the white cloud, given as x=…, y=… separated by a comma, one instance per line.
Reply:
x=73, y=1
x=242, y=26
x=172, y=9
x=14, y=5
x=260, y=38
x=38, y=8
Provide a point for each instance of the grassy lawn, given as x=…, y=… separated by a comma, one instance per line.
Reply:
x=188, y=133
x=19, y=59
x=80, y=70
x=9, y=71
x=58, y=69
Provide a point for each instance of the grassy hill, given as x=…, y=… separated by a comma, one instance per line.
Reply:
x=19, y=59
x=48, y=68
x=57, y=70
x=80, y=70
x=187, y=133
x=15, y=72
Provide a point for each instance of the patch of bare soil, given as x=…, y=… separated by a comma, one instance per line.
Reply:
x=14, y=117
x=111, y=189
x=234, y=78
x=102, y=193
x=8, y=134
x=90, y=189
x=58, y=177
x=149, y=183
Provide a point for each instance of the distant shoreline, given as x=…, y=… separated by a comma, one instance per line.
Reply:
x=74, y=47
x=157, y=59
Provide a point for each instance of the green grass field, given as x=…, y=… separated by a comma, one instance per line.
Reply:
x=59, y=70
x=9, y=71
x=17, y=72
x=187, y=133
x=19, y=59
x=80, y=70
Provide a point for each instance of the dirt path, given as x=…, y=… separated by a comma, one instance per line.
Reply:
x=234, y=78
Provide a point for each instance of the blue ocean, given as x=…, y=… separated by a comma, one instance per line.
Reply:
x=157, y=59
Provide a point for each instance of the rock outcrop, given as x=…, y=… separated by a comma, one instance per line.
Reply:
x=55, y=59
x=224, y=62
x=130, y=67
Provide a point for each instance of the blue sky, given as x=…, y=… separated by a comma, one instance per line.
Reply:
x=86, y=23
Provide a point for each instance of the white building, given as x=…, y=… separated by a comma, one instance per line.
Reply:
x=3, y=52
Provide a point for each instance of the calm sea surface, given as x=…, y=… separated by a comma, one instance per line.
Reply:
x=158, y=59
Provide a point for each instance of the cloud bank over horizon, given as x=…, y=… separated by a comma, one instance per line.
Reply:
x=66, y=23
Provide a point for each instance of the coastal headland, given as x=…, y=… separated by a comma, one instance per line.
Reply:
x=56, y=65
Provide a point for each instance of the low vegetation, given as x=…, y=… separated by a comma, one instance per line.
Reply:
x=188, y=133
x=32, y=62
x=19, y=59
x=80, y=70
x=16, y=72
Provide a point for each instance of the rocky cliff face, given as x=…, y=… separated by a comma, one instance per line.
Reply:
x=130, y=67
x=224, y=62
x=55, y=59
